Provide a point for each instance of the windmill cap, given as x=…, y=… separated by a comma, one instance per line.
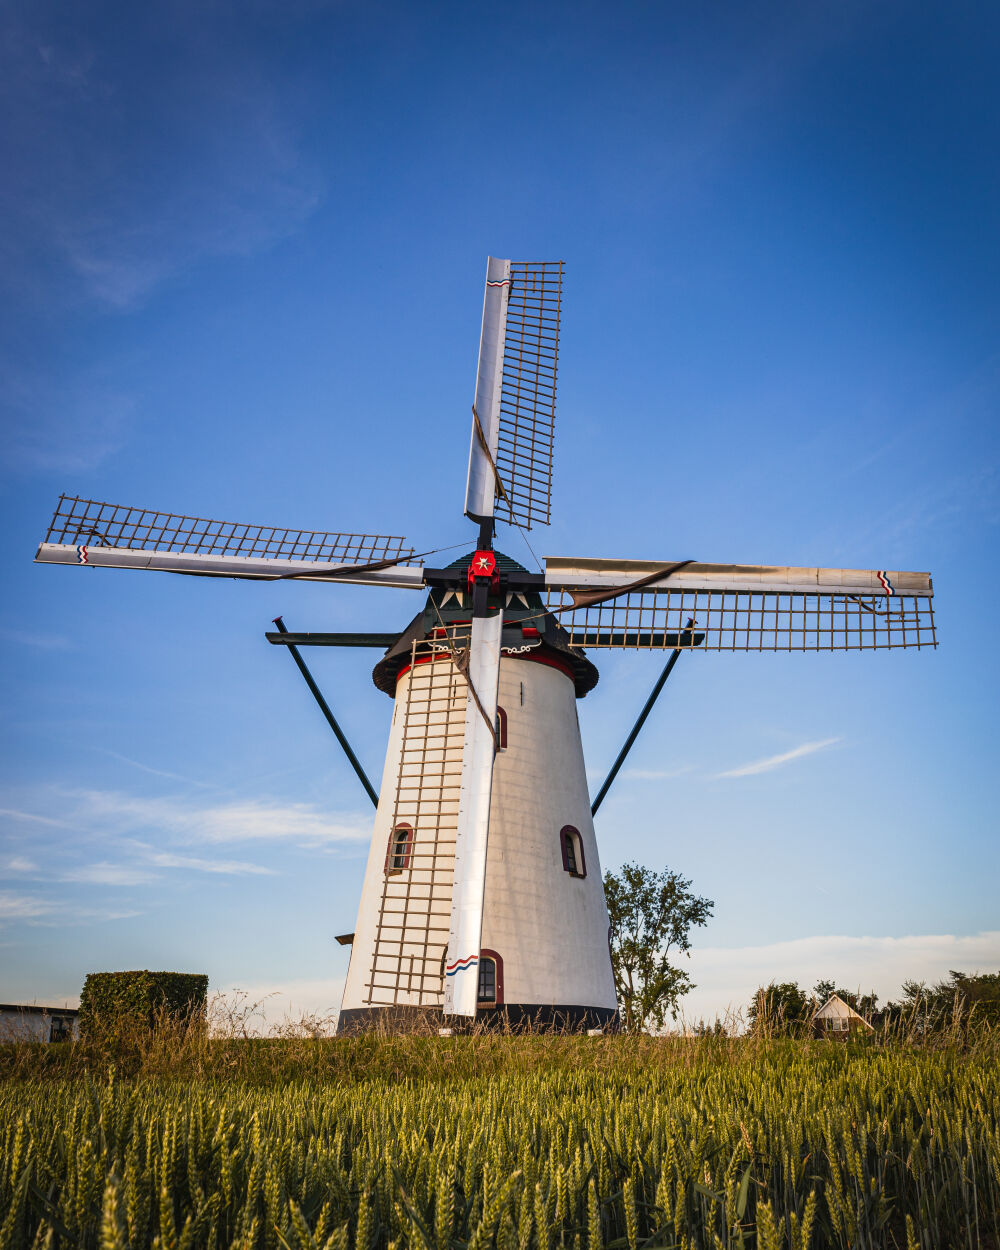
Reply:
x=523, y=610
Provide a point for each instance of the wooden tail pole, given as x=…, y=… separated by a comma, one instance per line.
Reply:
x=654, y=695
x=331, y=720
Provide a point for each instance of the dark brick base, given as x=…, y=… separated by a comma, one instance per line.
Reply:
x=515, y=1017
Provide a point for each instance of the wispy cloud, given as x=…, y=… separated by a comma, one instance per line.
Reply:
x=228, y=867
x=656, y=774
x=43, y=642
x=20, y=863
x=246, y=820
x=156, y=772
x=15, y=814
x=223, y=169
x=107, y=874
x=22, y=906
x=36, y=910
x=778, y=761
x=68, y=425
x=111, y=814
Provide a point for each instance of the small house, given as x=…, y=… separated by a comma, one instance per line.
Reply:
x=838, y=1019
x=37, y=1024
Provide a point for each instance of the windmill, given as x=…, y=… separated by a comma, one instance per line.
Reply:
x=483, y=890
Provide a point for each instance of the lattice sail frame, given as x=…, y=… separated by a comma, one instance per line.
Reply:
x=87, y=522
x=528, y=392
x=411, y=939
x=730, y=620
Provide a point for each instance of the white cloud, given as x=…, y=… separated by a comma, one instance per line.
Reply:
x=156, y=772
x=656, y=774
x=776, y=761
x=67, y=425
x=44, y=911
x=16, y=814
x=105, y=814
x=246, y=820
x=233, y=867
x=43, y=642
x=20, y=863
x=22, y=906
x=224, y=169
x=726, y=977
x=108, y=874
x=105, y=873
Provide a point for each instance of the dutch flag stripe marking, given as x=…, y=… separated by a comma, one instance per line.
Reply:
x=886, y=584
x=505, y=282
x=460, y=965
x=81, y=554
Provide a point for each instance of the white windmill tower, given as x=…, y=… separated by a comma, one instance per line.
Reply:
x=483, y=893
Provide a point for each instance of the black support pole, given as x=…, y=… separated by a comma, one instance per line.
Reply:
x=660, y=681
x=331, y=720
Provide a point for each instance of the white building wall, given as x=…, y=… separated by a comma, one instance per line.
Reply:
x=550, y=929
x=21, y=1025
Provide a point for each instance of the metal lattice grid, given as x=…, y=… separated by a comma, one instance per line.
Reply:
x=528, y=392
x=85, y=521
x=731, y=621
x=411, y=939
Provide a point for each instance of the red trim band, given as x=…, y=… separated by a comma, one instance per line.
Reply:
x=548, y=658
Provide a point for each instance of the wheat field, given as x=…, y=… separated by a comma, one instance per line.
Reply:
x=518, y=1143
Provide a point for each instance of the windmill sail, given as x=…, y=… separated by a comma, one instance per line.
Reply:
x=87, y=532
x=510, y=457
x=624, y=604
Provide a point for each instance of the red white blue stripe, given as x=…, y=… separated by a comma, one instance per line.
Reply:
x=460, y=965
x=884, y=579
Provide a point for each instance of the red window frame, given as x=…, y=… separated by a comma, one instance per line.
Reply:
x=501, y=729
x=392, y=852
x=571, y=831
x=486, y=953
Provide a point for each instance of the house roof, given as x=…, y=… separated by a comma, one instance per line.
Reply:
x=836, y=1008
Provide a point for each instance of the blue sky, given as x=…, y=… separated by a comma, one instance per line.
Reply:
x=242, y=258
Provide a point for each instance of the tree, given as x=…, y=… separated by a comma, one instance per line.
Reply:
x=651, y=914
x=782, y=1009
x=824, y=990
x=964, y=999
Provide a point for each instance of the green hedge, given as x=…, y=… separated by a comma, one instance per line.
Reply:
x=114, y=1000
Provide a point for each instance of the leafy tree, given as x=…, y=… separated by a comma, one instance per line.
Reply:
x=651, y=914
x=963, y=999
x=981, y=992
x=784, y=1009
x=824, y=990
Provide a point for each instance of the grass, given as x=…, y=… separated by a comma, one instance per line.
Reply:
x=181, y=1141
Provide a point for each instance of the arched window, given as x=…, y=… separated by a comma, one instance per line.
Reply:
x=490, y=993
x=397, y=856
x=501, y=729
x=571, y=845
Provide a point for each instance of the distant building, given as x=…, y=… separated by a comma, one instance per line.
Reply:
x=838, y=1019
x=37, y=1024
